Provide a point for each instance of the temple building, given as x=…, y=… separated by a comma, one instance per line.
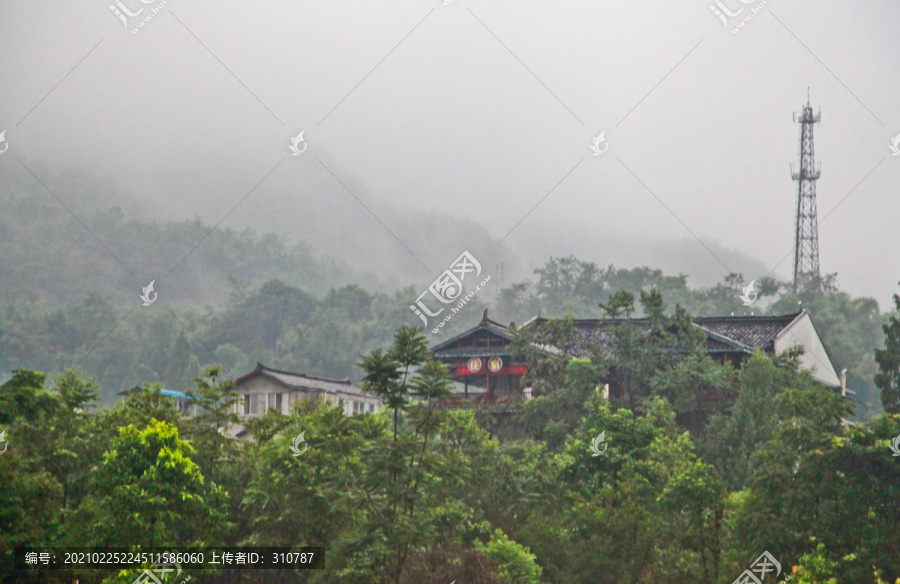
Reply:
x=481, y=361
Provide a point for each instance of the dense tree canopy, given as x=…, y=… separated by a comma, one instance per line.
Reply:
x=420, y=493
x=705, y=465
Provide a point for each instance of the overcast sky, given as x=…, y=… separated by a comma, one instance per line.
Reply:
x=458, y=126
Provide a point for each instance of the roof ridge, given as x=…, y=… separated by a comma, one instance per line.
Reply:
x=482, y=325
x=790, y=316
x=262, y=367
x=578, y=321
x=723, y=337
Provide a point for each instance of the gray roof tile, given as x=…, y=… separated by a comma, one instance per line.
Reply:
x=301, y=381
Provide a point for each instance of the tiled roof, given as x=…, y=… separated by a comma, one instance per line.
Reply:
x=718, y=344
x=753, y=331
x=446, y=350
x=301, y=381
x=724, y=334
x=466, y=352
x=486, y=324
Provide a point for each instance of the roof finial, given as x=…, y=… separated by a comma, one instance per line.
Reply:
x=807, y=94
x=484, y=318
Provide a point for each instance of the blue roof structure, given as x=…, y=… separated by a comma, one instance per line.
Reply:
x=173, y=393
x=166, y=392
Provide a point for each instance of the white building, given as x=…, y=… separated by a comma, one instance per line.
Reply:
x=266, y=389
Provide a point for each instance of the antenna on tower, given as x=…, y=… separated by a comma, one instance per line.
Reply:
x=806, y=239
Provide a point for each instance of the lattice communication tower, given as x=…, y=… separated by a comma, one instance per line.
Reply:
x=806, y=241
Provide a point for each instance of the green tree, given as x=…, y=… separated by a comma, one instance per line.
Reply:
x=553, y=416
x=388, y=373
x=621, y=302
x=74, y=449
x=23, y=399
x=214, y=401
x=546, y=349
x=177, y=373
x=736, y=434
x=642, y=350
x=697, y=387
x=515, y=563
x=815, y=568
x=611, y=498
x=401, y=473
x=888, y=377
x=29, y=511
x=695, y=500
x=791, y=487
x=137, y=408
x=148, y=492
x=322, y=496
x=429, y=385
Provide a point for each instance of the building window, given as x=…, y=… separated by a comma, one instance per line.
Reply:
x=275, y=402
x=250, y=404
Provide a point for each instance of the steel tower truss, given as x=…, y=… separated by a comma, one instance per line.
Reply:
x=806, y=241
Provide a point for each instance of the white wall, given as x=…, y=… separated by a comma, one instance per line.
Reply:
x=259, y=386
x=814, y=358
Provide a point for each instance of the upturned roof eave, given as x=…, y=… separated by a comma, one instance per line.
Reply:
x=488, y=325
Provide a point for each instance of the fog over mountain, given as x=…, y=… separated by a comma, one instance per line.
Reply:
x=435, y=129
x=235, y=338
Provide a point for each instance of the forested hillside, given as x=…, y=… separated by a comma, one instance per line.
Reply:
x=686, y=492
x=68, y=299
x=420, y=494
